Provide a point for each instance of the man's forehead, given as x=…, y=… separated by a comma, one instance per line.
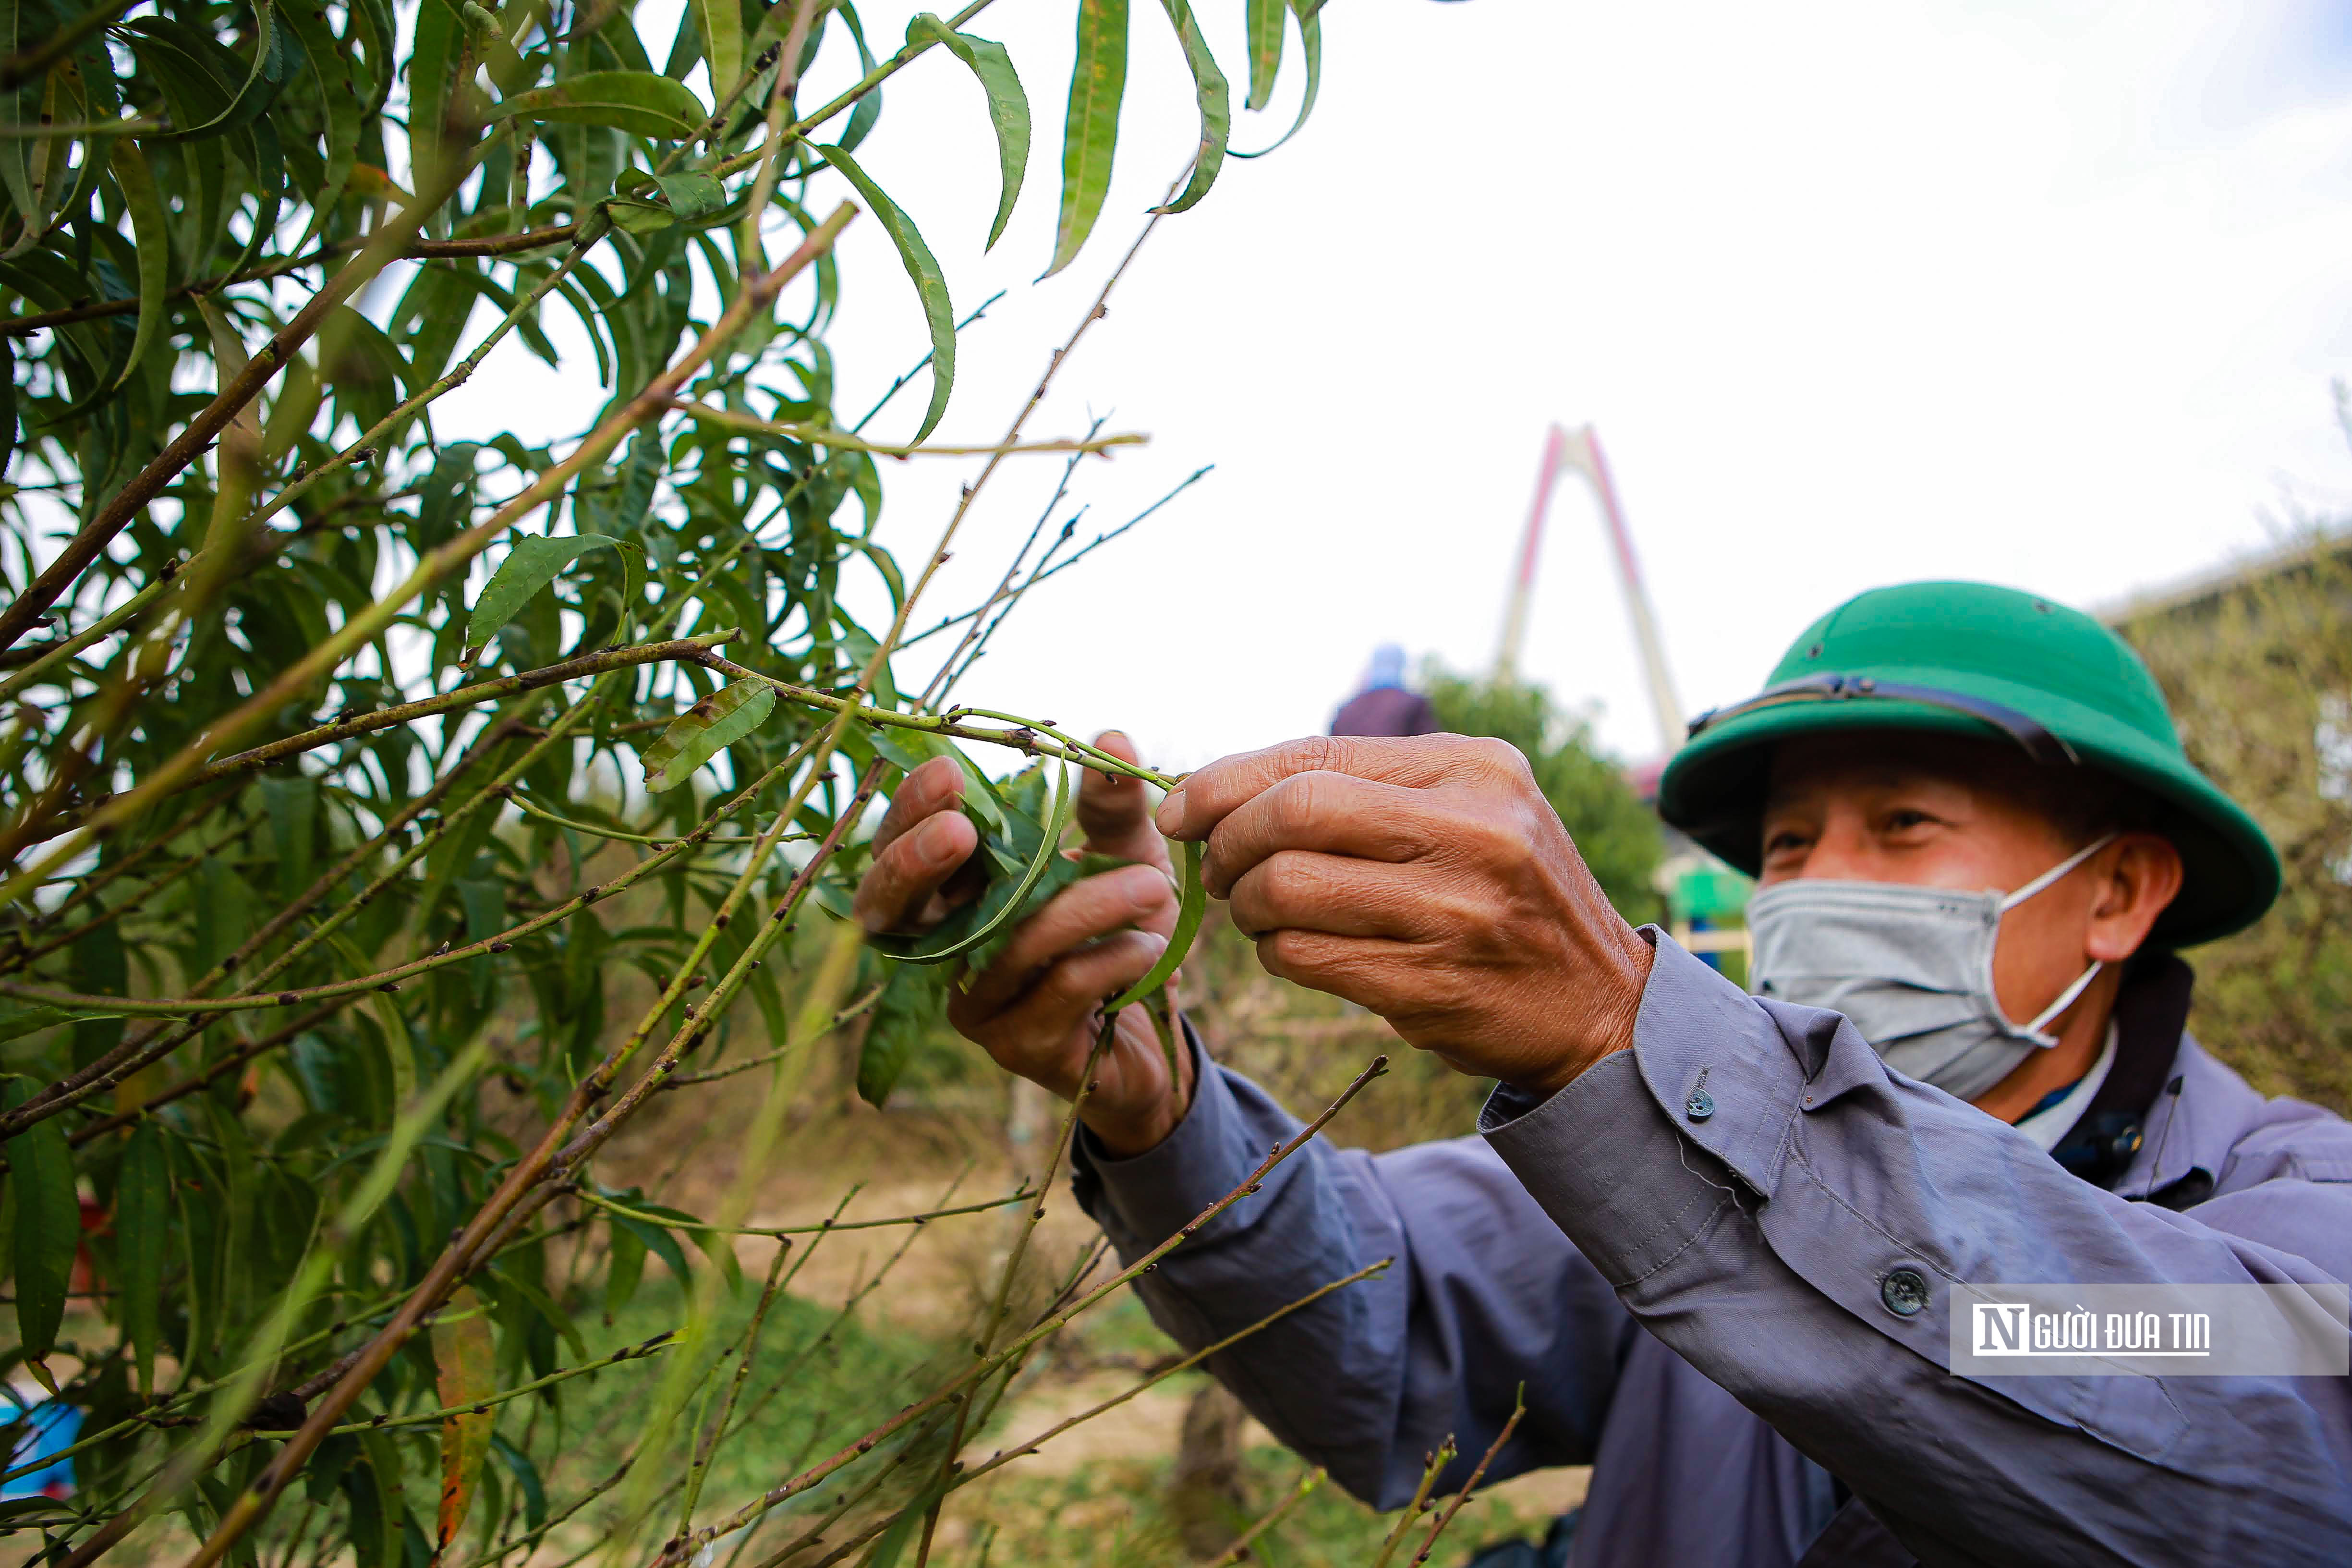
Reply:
x=1892, y=759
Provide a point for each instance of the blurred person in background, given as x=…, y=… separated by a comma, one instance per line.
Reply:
x=1383, y=705
x=1721, y=1240
x=33, y=1426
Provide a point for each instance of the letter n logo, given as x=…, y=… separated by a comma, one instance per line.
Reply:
x=2000, y=1327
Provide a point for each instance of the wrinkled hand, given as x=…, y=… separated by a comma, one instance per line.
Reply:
x=1037, y=1008
x=1426, y=879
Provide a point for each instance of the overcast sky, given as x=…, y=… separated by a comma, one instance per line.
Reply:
x=2050, y=294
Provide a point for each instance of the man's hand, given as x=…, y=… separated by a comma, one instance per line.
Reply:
x=1037, y=1009
x=1428, y=880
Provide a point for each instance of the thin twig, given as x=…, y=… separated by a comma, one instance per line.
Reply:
x=597, y=1200
x=1240, y=1549
x=1420, y=1503
x=981, y=1369
x=1429, y=1544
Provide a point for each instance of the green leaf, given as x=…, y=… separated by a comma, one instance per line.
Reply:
x=100, y=967
x=328, y=68
x=431, y=61
x=1004, y=901
x=49, y=1224
x=641, y=102
x=1215, y=99
x=1310, y=40
x=717, y=1245
x=526, y=1476
x=535, y=560
x=143, y=1199
x=723, y=44
x=923, y=268
x=692, y=196
x=906, y=1010
x=293, y=808
x=650, y=1237
x=893, y=1544
x=639, y=217
x=1008, y=105
x=1090, y=133
x=705, y=729
x=624, y=1266
x=869, y=107
x=145, y=204
x=1193, y=901
x=21, y=1018
x=8, y=405
x=1263, y=24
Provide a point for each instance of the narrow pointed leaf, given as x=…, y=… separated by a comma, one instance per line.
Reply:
x=1049, y=844
x=1008, y=105
x=19, y=1018
x=870, y=108
x=49, y=1225
x=327, y=68
x=705, y=729
x=526, y=1476
x=923, y=268
x=1090, y=133
x=534, y=563
x=722, y=43
x=145, y=204
x=637, y=101
x=907, y=1009
x=1215, y=99
x=1263, y=25
x=142, y=1236
x=625, y=1266
x=465, y=1365
x=1310, y=44
x=430, y=62
x=1193, y=901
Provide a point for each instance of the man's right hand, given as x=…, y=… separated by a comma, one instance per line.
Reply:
x=1037, y=1009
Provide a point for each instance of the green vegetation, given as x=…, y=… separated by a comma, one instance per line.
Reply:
x=392, y=813
x=1613, y=830
x=2259, y=674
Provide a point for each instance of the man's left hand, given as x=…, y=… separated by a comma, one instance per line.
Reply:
x=1427, y=880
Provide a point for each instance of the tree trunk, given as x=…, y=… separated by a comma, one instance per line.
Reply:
x=1205, y=1492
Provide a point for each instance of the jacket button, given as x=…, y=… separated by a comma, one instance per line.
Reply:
x=1699, y=1106
x=1905, y=1291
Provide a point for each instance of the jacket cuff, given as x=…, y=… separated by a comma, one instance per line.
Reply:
x=1642, y=1152
x=1142, y=1200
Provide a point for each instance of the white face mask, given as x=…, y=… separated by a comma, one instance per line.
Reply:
x=1911, y=967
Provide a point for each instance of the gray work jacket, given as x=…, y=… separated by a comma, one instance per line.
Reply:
x=1699, y=1309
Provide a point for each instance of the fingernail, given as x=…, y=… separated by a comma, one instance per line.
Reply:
x=1170, y=815
x=934, y=848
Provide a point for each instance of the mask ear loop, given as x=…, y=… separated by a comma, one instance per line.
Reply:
x=2056, y=872
x=2066, y=997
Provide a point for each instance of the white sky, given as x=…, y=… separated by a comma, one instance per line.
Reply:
x=2045, y=293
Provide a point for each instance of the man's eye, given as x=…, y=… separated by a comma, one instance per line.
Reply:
x=1902, y=821
x=1783, y=843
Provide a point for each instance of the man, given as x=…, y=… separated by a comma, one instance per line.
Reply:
x=1383, y=705
x=1718, y=1238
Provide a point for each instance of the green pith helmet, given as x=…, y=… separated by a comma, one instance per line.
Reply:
x=1967, y=658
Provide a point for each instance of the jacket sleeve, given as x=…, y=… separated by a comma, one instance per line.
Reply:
x=1755, y=1229
x=1485, y=1293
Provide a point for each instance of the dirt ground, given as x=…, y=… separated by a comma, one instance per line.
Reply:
x=938, y=1277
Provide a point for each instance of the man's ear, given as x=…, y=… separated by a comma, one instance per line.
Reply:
x=2139, y=875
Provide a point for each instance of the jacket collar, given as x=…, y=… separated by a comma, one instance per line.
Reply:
x=2151, y=1017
